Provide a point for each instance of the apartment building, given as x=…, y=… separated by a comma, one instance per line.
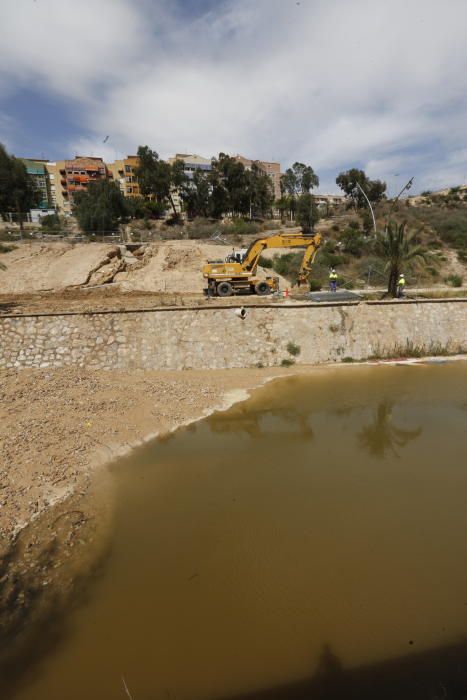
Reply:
x=37, y=171
x=123, y=173
x=75, y=176
x=192, y=163
x=273, y=170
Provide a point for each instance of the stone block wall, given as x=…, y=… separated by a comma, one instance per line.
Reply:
x=216, y=337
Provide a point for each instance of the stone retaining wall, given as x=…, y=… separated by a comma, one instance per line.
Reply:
x=217, y=338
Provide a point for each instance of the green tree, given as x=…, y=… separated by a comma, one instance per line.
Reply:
x=102, y=208
x=157, y=178
x=260, y=191
x=397, y=248
x=196, y=195
x=299, y=179
x=374, y=189
x=307, y=213
x=295, y=182
x=17, y=192
x=229, y=182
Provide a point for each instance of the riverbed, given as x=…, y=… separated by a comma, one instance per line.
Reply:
x=316, y=528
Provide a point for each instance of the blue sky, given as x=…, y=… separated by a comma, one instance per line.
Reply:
x=333, y=83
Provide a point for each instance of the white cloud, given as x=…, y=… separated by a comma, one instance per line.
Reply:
x=330, y=82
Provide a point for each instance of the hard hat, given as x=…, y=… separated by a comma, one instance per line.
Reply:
x=401, y=275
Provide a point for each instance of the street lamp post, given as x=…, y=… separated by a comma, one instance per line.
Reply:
x=369, y=204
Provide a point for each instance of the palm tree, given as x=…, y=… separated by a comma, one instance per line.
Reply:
x=398, y=248
x=382, y=435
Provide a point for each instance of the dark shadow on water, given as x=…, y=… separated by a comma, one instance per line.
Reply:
x=254, y=423
x=382, y=436
x=438, y=674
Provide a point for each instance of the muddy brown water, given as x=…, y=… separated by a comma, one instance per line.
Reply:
x=315, y=531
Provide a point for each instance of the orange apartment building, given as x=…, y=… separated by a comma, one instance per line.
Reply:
x=74, y=176
x=123, y=173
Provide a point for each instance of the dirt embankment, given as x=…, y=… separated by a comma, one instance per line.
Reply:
x=163, y=267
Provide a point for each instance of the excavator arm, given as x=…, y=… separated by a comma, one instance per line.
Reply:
x=284, y=240
x=224, y=278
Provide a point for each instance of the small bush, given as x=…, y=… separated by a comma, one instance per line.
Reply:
x=454, y=280
x=287, y=362
x=293, y=349
x=347, y=359
x=5, y=248
x=315, y=285
x=265, y=262
x=335, y=227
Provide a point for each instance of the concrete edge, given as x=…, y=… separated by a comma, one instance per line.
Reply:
x=282, y=307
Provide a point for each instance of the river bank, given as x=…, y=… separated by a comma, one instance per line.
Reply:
x=58, y=427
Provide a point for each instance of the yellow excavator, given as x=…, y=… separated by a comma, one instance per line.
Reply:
x=237, y=273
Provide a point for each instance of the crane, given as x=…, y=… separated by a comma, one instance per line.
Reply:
x=237, y=273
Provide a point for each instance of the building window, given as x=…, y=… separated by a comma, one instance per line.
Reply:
x=129, y=190
x=128, y=169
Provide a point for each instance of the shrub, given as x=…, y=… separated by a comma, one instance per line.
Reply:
x=242, y=227
x=315, y=285
x=335, y=227
x=265, y=262
x=293, y=349
x=5, y=248
x=51, y=223
x=287, y=362
x=454, y=280
x=354, y=225
x=288, y=265
x=354, y=242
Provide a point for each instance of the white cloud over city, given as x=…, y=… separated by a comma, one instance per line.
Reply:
x=333, y=83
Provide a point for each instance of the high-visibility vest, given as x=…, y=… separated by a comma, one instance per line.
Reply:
x=333, y=275
x=401, y=282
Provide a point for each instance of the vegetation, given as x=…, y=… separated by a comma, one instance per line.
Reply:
x=296, y=185
x=396, y=247
x=454, y=280
x=349, y=182
x=307, y=213
x=102, y=208
x=293, y=349
x=51, y=223
x=17, y=193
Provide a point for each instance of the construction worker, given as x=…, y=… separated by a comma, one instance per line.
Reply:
x=333, y=280
x=400, y=286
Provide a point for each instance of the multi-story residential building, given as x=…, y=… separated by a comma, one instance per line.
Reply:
x=75, y=176
x=37, y=171
x=192, y=162
x=270, y=168
x=123, y=173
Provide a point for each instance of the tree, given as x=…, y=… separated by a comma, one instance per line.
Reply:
x=295, y=182
x=17, y=192
x=196, y=194
x=299, y=179
x=229, y=182
x=398, y=248
x=102, y=208
x=374, y=189
x=260, y=190
x=307, y=213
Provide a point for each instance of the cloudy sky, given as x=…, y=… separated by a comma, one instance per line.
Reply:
x=334, y=83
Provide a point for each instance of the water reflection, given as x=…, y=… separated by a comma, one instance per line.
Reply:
x=382, y=436
x=264, y=423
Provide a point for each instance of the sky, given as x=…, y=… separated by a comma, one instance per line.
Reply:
x=332, y=83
